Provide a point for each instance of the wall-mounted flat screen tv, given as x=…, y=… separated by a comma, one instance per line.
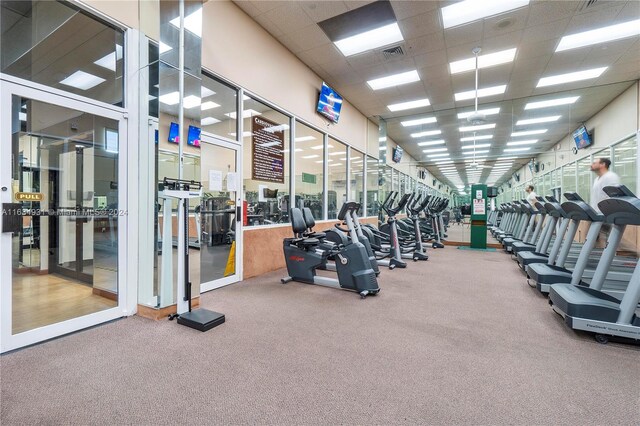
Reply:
x=174, y=133
x=193, y=137
x=329, y=103
x=397, y=154
x=582, y=138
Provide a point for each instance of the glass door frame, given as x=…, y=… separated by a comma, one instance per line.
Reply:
x=208, y=138
x=10, y=86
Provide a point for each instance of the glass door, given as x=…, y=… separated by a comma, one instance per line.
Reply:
x=61, y=207
x=220, y=213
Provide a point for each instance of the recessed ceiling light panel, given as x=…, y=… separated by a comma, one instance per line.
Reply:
x=552, y=102
x=571, y=77
x=478, y=127
x=471, y=10
x=484, y=61
x=82, y=80
x=418, y=103
x=482, y=93
x=419, y=121
x=600, y=35
x=368, y=40
x=538, y=120
x=394, y=80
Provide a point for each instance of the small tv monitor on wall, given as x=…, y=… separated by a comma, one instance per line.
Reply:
x=329, y=103
x=193, y=137
x=397, y=154
x=174, y=133
x=582, y=138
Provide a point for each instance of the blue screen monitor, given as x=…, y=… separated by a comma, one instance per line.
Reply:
x=329, y=103
x=582, y=138
x=174, y=133
x=193, y=137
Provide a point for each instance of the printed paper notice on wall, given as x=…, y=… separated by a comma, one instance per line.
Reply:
x=478, y=193
x=479, y=207
x=232, y=182
x=215, y=180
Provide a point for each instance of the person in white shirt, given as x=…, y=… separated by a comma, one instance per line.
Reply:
x=531, y=197
x=605, y=177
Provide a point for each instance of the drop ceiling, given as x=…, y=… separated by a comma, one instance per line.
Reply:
x=535, y=30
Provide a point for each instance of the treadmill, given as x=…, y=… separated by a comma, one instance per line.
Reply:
x=530, y=254
x=540, y=232
x=526, y=225
x=589, y=308
x=542, y=275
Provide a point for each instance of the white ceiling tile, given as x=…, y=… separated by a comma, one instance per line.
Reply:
x=309, y=37
x=366, y=59
x=438, y=57
x=543, y=12
x=425, y=44
x=469, y=33
x=355, y=4
x=320, y=10
x=248, y=7
x=506, y=23
x=501, y=42
x=265, y=6
x=528, y=49
x=406, y=9
x=291, y=44
x=268, y=25
x=596, y=19
x=419, y=25
x=550, y=31
x=289, y=17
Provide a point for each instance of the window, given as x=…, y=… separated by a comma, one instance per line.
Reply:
x=356, y=176
x=584, y=178
x=625, y=161
x=309, y=165
x=395, y=177
x=219, y=105
x=266, y=163
x=55, y=44
x=385, y=181
x=569, y=178
x=337, y=178
x=373, y=185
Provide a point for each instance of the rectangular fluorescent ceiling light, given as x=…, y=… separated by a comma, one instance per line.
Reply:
x=417, y=122
x=305, y=138
x=600, y=35
x=431, y=143
x=208, y=105
x=482, y=93
x=245, y=114
x=438, y=155
x=336, y=164
x=191, y=101
x=163, y=47
x=488, y=111
x=306, y=157
x=444, y=162
x=208, y=121
x=525, y=142
x=571, y=77
x=517, y=149
x=172, y=98
x=484, y=61
x=529, y=133
x=507, y=158
x=552, y=102
x=192, y=23
x=476, y=128
x=394, y=80
x=538, y=120
x=322, y=146
x=205, y=92
x=426, y=133
x=476, y=152
x=418, y=103
x=426, y=151
x=82, y=80
x=472, y=10
x=109, y=61
x=477, y=138
x=368, y=40
x=478, y=146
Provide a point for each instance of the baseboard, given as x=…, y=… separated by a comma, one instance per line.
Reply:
x=162, y=313
x=106, y=294
x=464, y=244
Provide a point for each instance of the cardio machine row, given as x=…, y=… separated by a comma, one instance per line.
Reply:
x=593, y=289
x=355, y=251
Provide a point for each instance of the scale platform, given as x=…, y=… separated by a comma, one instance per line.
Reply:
x=201, y=319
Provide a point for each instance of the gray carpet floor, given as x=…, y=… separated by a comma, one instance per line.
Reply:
x=460, y=339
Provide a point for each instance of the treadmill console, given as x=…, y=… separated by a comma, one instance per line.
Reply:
x=572, y=196
x=618, y=191
x=551, y=199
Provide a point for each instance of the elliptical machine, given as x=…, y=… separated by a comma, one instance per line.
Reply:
x=303, y=255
